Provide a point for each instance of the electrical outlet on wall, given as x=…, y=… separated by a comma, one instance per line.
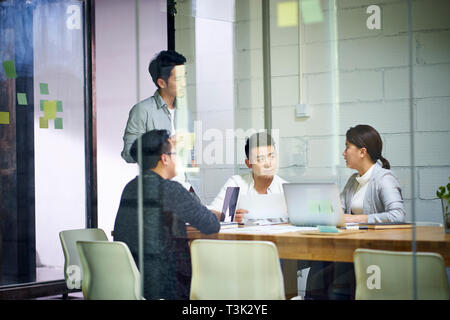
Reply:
x=302, y=111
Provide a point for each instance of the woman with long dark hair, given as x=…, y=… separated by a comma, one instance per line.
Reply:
x=373, y=194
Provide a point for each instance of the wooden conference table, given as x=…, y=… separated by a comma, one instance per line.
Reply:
x=332, y=247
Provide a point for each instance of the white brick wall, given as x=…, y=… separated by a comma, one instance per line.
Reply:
x=433, y=114
x=390, y=52
x=430, y=179
x=374, y=114
x=396, y=83
x=426, y=211
x=432, y=149
x=433, y=47
x=319, y=124
x=397, y=150
x=430, y=15
x=432, y=81
x=284, y=61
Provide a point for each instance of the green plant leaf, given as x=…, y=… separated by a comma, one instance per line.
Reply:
x=440, y=192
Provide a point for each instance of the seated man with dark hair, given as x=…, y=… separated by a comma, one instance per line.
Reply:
x=167, y=206
x=262, y=159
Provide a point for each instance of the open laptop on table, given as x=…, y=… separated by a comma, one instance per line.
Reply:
x=313, y=204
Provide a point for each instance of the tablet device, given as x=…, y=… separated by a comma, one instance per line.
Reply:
x=229, y=203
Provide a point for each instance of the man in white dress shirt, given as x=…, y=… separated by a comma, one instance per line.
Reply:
x=262, y=159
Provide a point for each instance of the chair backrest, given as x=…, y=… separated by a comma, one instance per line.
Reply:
x=388, y=275
x=71, y=258
x=110, y=272
x=233, y=269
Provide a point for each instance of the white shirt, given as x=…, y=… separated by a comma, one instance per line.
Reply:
x=246, y=185
x=180, y=177
x=357, y=202
x=172, y=119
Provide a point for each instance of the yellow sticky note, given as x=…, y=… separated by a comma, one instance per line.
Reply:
x=43, y=123
x=287, y=13
x=4, y=117
x=50, y=109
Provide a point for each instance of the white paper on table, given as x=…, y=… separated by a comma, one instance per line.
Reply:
x=273, y=229
x=263, y=206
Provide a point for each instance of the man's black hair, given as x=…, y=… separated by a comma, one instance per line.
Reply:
x=154, y=144
x=162, y=65
x=259, y=139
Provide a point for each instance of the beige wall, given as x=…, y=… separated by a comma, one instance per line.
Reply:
x=119, y=76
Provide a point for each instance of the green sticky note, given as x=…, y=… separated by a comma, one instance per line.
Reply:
x=311, y=11
x=325, y=206
x=41, y=104
x=10, y=69
x=329, y=229
x=287, y=13
x=4, y=117
x=43, y=123
x=59, y=106
x=50, y=109
x=319, y=206
x=43, y=88
x=313, y=207
x=58, y=123
x=22, y=99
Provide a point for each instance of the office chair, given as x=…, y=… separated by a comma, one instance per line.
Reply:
x=232, y=269
x=72, y=266
x=388, y=275
x=110, y=272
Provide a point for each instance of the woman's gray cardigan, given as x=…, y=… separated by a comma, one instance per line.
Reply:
x=383, y=201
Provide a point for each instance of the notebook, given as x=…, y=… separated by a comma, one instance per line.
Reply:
x=389, y=225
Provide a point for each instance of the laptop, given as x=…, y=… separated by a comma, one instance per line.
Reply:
x=313, y=204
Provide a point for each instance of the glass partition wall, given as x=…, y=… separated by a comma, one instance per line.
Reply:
x=42, y=128
x=306, y=71
x=310, y=70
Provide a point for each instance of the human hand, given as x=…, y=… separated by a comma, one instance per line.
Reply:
x=239, y=215
x=355, y=218
x=217, y=213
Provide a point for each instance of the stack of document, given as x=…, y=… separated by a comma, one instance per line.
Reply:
x=269, y=229
x=227, y=225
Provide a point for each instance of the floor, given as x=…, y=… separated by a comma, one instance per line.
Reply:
x=54, y=273
x=72, y=296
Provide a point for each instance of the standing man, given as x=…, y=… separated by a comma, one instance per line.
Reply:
x=161, y=111
x=167, y=261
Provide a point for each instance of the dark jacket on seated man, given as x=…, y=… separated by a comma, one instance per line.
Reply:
x=167, y=206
